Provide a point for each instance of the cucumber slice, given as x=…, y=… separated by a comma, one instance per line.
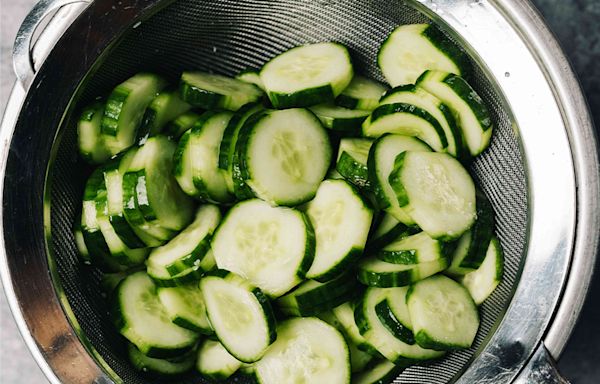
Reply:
x=251, y=76
x=273, y=247
x=409, y=120
x=240, y=314
x=210, y=91
x=472, y=115
x=352, y=161
x=411, y=49
x=381, y=163
x=125, y=109
x=164, y=108
x=84, y=253
x=346, y=121
x=307, y=350
x=341, y=219
x=388, y=230
x=442, y=113
x=158, y=195
x=283, y=155
x=141, y=318
x=361, y=93
x=413, y=249
x=393, y=314
x=436, y=191
x=443, y=314
x=95, y=243
x=473, y=245
x=215, y=363
x=345, y=315
x=378, y=335
x=118, y=249
x=483, y=281
x=188, y=248
x=185, y=307
x=91, y=143
x=190, y=275
x=382, y=372
x=161, y=367
x=183, y=165
x=377, y=273
x=312, y=297
x=307, y=75
x=205, y=139
x=176, y=128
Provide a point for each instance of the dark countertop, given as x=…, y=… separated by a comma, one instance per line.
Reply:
x=576, y=23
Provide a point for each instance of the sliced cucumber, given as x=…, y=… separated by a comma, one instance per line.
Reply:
x=472, y=115
x=381, y=163
x=80, y=242
x=436, y=191
x=348, y=122
x=190, y=275
x=381, y=372
x=185, y=307
x=125, y=109
x=483, y=281
x=284, y=155
x=214, y=362
x=188, y=248
x=352, y=161
x=307, y=75
x=273, y=247
x=377, y=273
x=413, y=249
x=443, y=314
x=361, y=93
x=418, y=97
x=411, y=49
x=164, y=108
x=183, y=165
x=341, y=219
x=91, y=143
x=312, y=297
x=378, y=335
x=142, y=319
x=388, y=230
x=150, y=179
x=240, y=314
x=345, y=315
x=251, y=76
x=307, y=350
x=210, y=91
x=176, y=128
x=409, y=120
x=161, y=367
x=393, y=314
x=205, y=139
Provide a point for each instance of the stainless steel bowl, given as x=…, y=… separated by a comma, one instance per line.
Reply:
x=542, y=171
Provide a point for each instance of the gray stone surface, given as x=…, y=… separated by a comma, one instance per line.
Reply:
x=575, y=22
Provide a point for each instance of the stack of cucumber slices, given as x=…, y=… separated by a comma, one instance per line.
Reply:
x=296, y=224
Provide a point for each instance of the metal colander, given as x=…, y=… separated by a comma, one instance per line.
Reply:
x=226, y=37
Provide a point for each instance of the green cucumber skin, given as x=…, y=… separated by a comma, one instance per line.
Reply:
x=179, y=152
x=464, y=90
x=176, y=128
x=189, y=276
x=410, y=256
x=130, y=203
x=425, y=341
x=395, y=180
x=265, y=304
x=314, y=310
x=353, y=171
x=199, y=97
x=126, y=234
x=349, y=127
x=453, y=51
x=228, y=144
x=400, y=230
x=184, y=263
x=114, y=105
x=304, y=98
x=393, y=279
x=143, y=204
x=462, y=152
x=148, y=370
x=387, y=318
x=389, y=109
x=310, y=249
x=481, y=232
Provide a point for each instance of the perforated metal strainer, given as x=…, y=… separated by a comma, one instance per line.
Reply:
x=541, y=171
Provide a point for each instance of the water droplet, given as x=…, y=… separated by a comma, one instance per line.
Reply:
x=137, y=24
x=506, y=74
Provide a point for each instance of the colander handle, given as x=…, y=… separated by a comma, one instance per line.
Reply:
x=541, y=369
x=26, y=58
